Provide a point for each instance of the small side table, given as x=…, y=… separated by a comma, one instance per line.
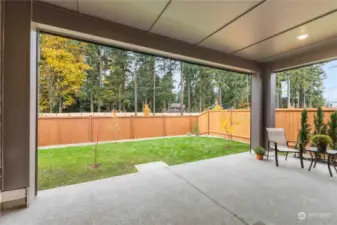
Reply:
x=331, y=157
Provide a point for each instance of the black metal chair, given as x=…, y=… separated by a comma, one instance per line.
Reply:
x=277, y=141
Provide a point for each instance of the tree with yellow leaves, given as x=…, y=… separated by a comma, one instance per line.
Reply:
x=217, y=107
x=62, y=71
x=227, y=124
x=147, y=110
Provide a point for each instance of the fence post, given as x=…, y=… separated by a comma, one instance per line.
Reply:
x=231, y=115
x=190, y=123
x=131, y=128
x=164, y=126
x=90, y=128
x=208, y=123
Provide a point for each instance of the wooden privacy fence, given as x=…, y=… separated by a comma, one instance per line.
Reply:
x=238, y=120
x=71, y=130
x=290, y=120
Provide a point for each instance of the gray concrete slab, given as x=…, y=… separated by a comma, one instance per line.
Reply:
x=231, y=190
x=259, y=191
x=146, y=198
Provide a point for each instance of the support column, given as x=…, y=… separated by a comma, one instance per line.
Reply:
x=269, y=99
x=263, y=106
x=15, y=116
x=256, y=111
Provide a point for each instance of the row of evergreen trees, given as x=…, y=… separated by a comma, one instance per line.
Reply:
x=84, y=77
x=306, y=87
x=76, y=76
x=329, y=128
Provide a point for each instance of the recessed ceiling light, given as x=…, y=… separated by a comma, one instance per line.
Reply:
x=302, y=36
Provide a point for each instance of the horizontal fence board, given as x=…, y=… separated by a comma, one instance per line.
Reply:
x=146, y=127
x=81, y=129
x=108, y=129
x=290, y=120
x=63, y=131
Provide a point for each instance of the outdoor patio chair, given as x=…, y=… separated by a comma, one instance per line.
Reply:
x=277, y=141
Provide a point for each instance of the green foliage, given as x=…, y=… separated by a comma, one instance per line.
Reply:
x=304, y=132
x=196, y=128
x=320, y=126
x=69, y=165
x=81, y=77
x=333, y=129
x=259, y=150
x=306, y=87
x=321, y=139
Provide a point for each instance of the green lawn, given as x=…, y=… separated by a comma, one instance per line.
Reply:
x=70, y=165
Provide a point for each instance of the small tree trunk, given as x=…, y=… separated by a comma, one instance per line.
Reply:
x=95, y=160
x=248, y=102
x=119, y=98
x=189, y=95
x=60, y=105
x=135, y=89
x=91, y=102
x=100, y=78
x=200, y=105
x=220, y=96
x=298, y=99
x=99, y=107
x=310, y=103
x=181, y=90
x=154, y=92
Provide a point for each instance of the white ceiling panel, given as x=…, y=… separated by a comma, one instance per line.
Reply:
x=302, y=50
x=68, y=4
x=191, y=21
x=139, y=14
x=268, y=19
x=318, y=30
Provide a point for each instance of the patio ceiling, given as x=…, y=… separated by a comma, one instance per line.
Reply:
x=263, y=31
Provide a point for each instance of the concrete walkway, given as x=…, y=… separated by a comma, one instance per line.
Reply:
x=231, y=190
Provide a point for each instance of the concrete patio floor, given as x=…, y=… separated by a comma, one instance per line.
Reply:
x=232, y=190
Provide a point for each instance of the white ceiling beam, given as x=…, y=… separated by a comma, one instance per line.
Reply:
x=69, y=20
x=313, y=55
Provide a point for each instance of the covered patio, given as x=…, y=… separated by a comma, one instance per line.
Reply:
x=255, y=37
x=235, y=189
